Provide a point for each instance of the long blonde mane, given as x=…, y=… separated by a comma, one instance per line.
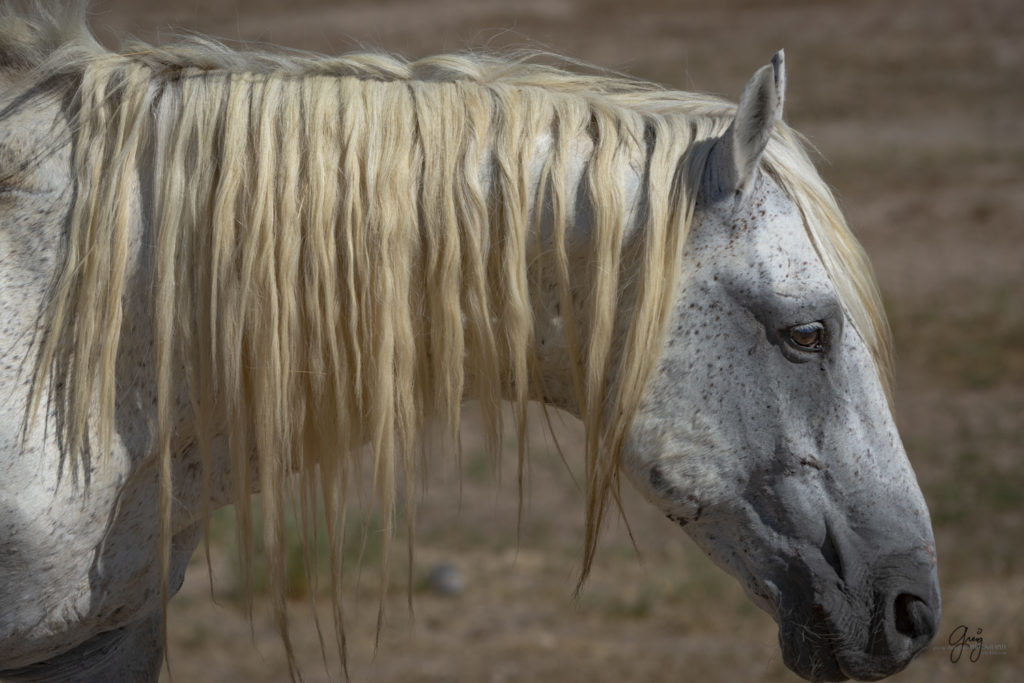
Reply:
x=344, y=248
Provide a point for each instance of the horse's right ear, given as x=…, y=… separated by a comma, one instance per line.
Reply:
x=732, y=166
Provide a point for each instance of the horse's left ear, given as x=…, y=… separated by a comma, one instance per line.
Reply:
x=734, y=160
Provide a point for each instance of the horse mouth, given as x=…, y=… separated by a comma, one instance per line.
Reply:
x=815, y=650
x=808, y=643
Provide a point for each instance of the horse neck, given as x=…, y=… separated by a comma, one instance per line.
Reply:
x=586, y=240
x=465, y=263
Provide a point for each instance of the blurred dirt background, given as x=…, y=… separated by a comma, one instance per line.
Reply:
x=916, y=109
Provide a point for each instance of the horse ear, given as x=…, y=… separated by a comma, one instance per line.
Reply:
x=734, y=160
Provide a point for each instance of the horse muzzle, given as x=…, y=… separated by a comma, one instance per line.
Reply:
x=867, y=626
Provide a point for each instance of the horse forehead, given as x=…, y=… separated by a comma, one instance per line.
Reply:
x=762, y=241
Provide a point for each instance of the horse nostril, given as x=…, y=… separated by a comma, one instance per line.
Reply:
x=914, y=618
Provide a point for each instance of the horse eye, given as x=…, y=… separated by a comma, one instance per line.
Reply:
x=809, y=336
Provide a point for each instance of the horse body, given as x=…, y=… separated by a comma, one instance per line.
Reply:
x=760, y=424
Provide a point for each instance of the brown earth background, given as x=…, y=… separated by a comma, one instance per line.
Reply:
x=916, y=109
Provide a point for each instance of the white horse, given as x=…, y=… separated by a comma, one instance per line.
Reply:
x=220, y=270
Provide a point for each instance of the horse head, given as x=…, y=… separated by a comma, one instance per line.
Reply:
x=766, y=431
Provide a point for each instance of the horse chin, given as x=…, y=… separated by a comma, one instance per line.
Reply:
x=810, y=649
x=818, y=664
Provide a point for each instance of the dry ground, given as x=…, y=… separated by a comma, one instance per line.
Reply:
x=916, y=106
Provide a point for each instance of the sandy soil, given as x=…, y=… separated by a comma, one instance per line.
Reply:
x=915, y=106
